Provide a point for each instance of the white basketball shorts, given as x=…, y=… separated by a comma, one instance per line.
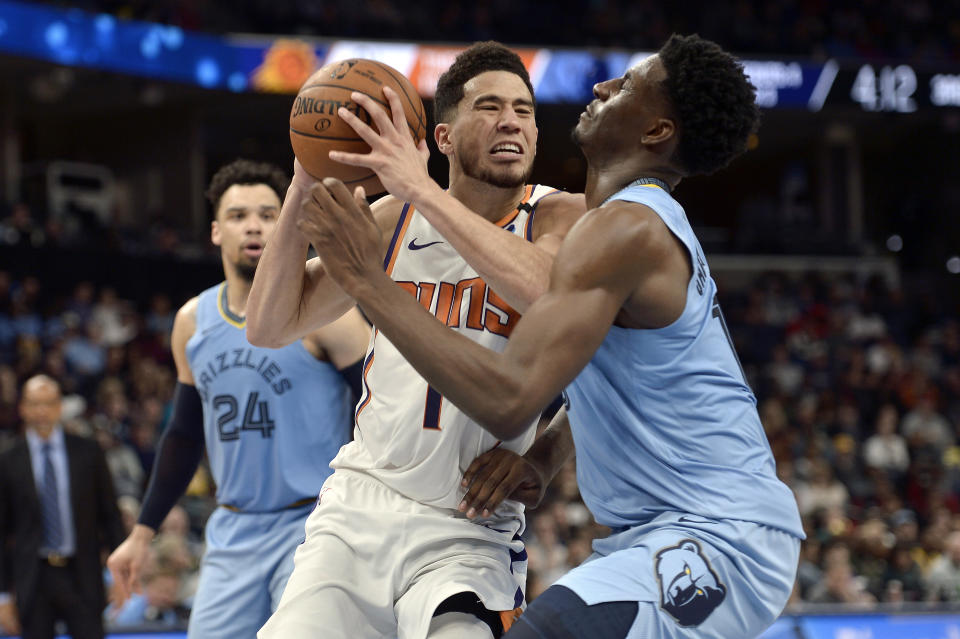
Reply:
x=377, y=564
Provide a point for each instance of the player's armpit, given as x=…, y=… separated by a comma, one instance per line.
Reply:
x=342, y=342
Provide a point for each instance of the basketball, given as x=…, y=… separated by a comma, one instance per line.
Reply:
x=316, y=129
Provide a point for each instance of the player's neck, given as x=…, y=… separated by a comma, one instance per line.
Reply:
x=604, y=181
x=238, y=290
x=490, y=202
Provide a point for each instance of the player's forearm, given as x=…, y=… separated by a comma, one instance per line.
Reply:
x=481, y=382
x=516, y=269
x=286, y=301
x=553, y=448
x=274, y=303
x=178, y=457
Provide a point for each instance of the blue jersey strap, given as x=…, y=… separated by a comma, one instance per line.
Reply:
x=178, y=456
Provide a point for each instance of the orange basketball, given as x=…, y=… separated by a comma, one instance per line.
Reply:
x=316, y=129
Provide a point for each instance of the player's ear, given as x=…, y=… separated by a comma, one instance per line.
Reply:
x=215, y=233
x=659, y=131
x=441, y=135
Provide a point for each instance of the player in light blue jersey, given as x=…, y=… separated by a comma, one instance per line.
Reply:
x=671, y=454
x=271, y=419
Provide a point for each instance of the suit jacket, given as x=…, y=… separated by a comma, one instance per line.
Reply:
x=96, y=519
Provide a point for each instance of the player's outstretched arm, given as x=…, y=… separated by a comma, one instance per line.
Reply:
x=292, y=296
x=600, y=263
x=178, y=456
x=519, y=271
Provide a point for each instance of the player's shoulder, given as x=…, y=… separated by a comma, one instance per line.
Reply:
x=557, y=212
x=387, y=210
x=625, y=229
x=188, y=312
x=635, y=219
x=185, y=321
x=562, y=201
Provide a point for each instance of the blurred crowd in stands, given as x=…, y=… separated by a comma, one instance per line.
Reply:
x=912, y=29
x=858, y=383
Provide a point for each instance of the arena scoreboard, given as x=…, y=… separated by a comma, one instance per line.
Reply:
x=251, y=63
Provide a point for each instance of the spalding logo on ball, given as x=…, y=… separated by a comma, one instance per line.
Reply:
x=316, y=129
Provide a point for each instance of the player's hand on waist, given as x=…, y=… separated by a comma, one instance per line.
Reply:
x=500, y=474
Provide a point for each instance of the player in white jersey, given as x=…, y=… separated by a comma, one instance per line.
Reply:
x=387, y=551
x=671, y=454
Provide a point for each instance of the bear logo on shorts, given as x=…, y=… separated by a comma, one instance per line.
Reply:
x=689, y=589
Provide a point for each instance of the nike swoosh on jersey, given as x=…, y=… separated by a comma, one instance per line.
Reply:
x=413, y=246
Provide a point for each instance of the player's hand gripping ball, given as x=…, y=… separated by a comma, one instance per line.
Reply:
x=316, y=129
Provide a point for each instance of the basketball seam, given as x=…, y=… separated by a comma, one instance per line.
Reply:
x=325, y=137
x=420, y=116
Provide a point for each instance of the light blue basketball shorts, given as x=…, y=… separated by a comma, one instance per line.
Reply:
x=248, y=559
x=692, y=576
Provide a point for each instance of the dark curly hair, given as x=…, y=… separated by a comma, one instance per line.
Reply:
x=479, y=58
x=713, y=101
x=242, y=171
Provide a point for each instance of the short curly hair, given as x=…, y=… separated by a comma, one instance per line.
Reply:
x=713, y=101
x=479, y=58
x=242, y=171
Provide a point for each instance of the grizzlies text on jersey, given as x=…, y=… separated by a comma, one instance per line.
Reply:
x=272, y=417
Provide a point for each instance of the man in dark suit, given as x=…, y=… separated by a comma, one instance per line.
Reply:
x=57, y=511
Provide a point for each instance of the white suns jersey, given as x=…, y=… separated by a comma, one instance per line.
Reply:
x=407, y=435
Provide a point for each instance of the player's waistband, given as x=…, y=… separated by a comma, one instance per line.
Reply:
x=300, y=503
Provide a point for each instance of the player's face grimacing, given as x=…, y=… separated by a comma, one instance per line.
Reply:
x=623, y=105
x=494, y=133
x=246, y=218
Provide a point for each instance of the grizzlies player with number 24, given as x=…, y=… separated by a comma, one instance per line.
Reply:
x=670, y=451
x=272, y=420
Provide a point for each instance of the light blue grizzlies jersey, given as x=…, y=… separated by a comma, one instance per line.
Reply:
x=663, y=420
x=273, y=418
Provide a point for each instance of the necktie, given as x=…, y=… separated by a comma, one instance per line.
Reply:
x=50, y=503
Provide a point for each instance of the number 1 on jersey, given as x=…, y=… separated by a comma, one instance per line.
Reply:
x=718, y=314
x=431, y=409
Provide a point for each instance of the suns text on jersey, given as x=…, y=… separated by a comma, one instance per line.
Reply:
x=486, y=310
x=242, y=359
